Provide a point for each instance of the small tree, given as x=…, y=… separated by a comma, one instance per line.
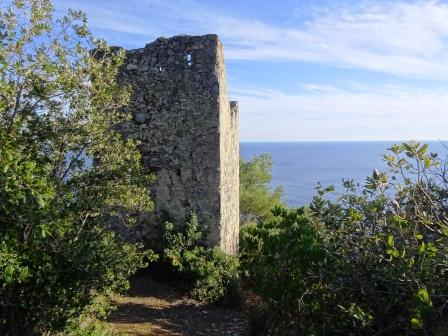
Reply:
x=59, y=110
x=372, y=261
x=390, y=240
x=256, y=196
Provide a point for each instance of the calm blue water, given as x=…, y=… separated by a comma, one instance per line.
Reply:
x=298, y=166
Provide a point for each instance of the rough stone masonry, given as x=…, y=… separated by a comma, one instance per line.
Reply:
x=189, y=133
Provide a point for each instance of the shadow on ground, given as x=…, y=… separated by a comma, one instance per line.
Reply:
x=153, y=308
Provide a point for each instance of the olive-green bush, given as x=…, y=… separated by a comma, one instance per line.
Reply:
x=211, y=274
x=374, y=261
x=283, y=258
x=59, y=108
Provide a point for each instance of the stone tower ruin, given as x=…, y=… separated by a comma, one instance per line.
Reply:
x=188, y=131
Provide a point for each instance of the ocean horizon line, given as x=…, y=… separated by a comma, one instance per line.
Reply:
x=340, y=141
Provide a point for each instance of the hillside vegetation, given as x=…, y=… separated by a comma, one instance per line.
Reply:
x=371, y=260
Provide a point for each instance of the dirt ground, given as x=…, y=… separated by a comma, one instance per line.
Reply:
x=152, y=308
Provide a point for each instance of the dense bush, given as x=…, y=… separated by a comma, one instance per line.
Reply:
x=87, y=326
x=283, y=257
x=213, y=275
x=257, y=198
x=59, y=108
x=373, y=261
x=92, y=322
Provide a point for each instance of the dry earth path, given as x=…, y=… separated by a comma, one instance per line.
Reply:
x=152, y=308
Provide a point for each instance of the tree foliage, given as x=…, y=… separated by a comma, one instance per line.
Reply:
x=211, y=274
x=372, y=262
x=282, y=257
x=256, y=196
x=65, y=172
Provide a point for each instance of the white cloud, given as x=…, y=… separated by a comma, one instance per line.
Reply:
x=330, y=113
x=403, y=38
x=400, y=38
x=407, y=38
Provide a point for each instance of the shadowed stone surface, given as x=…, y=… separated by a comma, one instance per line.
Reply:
x=189, y=135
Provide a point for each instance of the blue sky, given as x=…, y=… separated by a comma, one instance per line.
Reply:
x=309, y=70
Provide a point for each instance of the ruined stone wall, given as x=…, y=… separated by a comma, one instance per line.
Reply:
x=188, y=133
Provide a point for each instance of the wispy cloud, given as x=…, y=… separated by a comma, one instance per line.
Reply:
x=331, y=113
x=406, y=38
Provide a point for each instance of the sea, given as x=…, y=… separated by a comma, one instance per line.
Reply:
x=299, y=166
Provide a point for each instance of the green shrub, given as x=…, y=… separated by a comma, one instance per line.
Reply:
x=213, y=275
x=92, y=322
x=51, y=267
x=373, y=261
x=59, y=108
x=392, y=238
x=88, y=328
x=283, y=258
